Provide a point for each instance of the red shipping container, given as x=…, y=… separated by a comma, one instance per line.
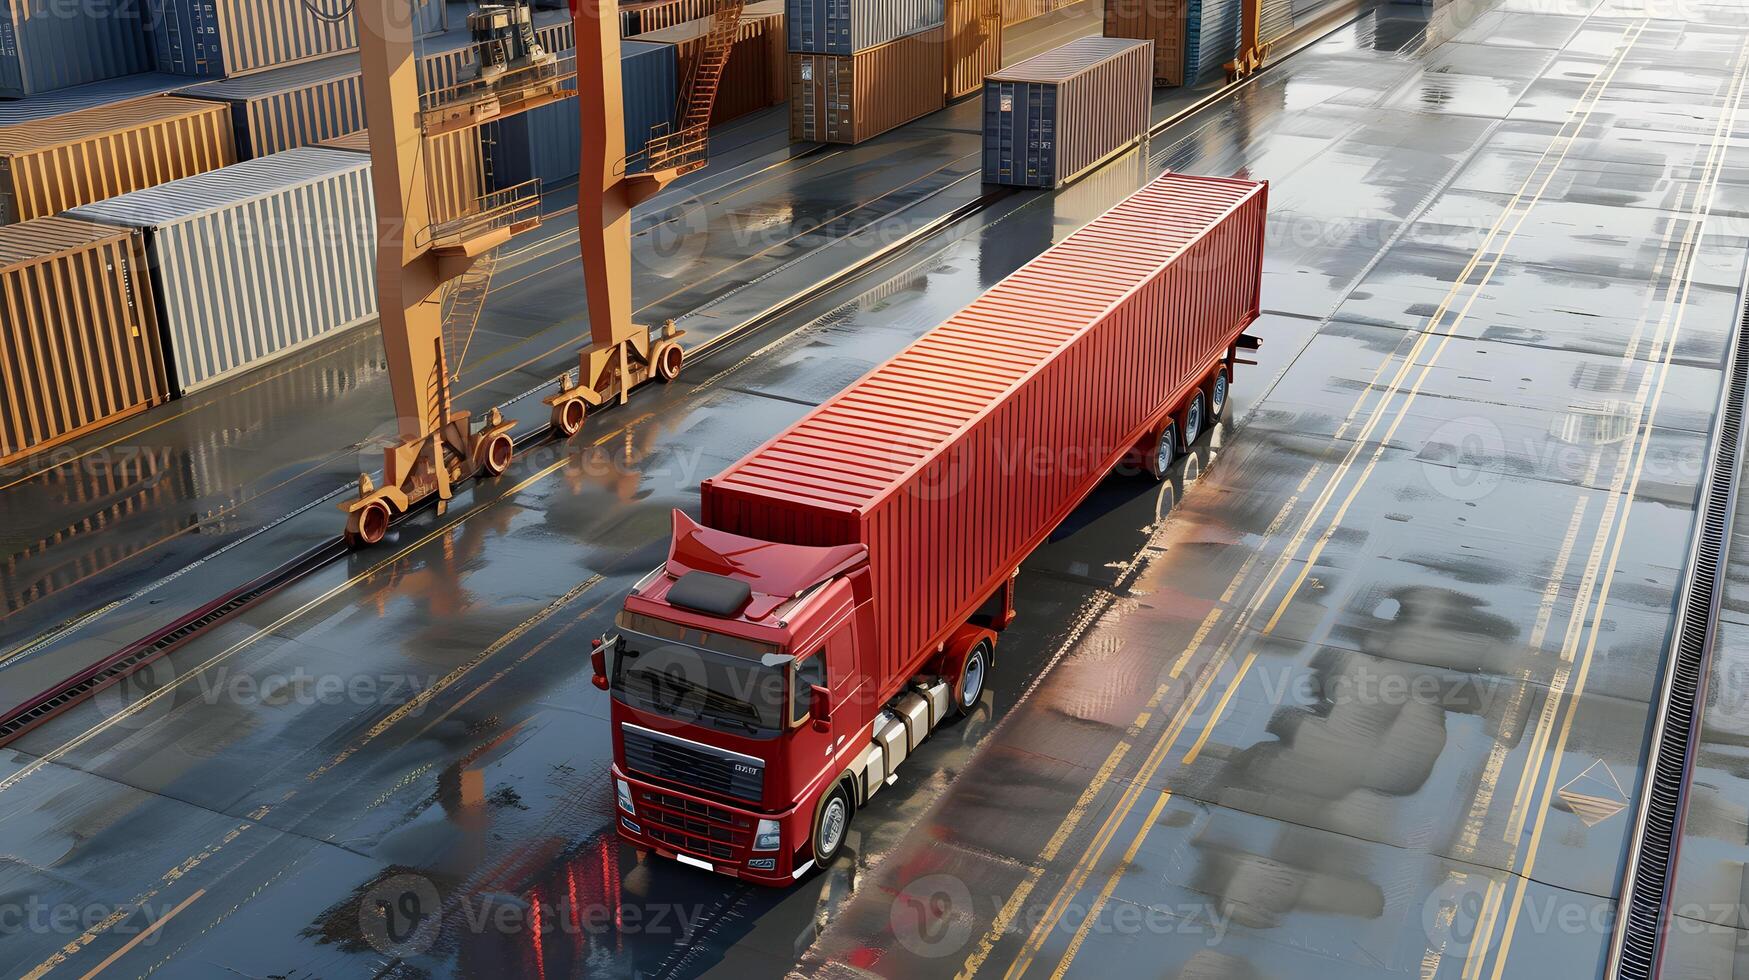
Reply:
x=957, y=458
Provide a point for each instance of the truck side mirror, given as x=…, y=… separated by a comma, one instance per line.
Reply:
x=598, y=660
x=820, y=704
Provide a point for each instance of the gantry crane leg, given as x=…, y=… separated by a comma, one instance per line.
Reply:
x=622, y=355
x=436, y=446
x=1253, y=52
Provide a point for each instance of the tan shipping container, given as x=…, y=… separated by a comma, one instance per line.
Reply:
x=653, y=15
x=80, y=337
x=1160, y=21
x=848, y=99
x=1021, y=11
x=58, y=163
x=974, y=44
x=455, y=172
x=754, y=78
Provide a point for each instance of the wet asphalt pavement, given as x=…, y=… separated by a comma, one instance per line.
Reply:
x=1361, y=692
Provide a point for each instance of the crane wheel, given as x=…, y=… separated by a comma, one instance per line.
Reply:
x=669, y=361
x=368, y=525
x=499, y=451
x=568, y=418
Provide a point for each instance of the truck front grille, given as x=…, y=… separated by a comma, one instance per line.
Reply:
x=692, y=765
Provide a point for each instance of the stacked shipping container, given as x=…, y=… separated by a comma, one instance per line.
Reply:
x=46, y=47
x=454, y=170
x=225, y=38
x=79, y=344
x=1159, y=21
x=754, y=77
x=1211, y=38
x=54, y=164
x=546, y=143
x=858, y=68
x=974, y=44
x=253, y=261
x=1049, y=119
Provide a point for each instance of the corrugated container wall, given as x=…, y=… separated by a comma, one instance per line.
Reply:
x=290, y=107
x=974, y=44
x=754, y=77
x=251, y=262
x=1277, y=20
x=1160, y=21
x=653, y=15
x=1049, y=119
x=50, y=46
x=1029, y=371
x=80, y=336
x=848, y=26
x=455, y=178
x=546, y=143
x=224, y=38
x=838, y=99
x=49, y=166
x=1211, y=38
x=93, y=95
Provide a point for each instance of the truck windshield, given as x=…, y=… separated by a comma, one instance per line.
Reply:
x=696, y=685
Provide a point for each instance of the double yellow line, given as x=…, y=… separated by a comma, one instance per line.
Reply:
x=1626, y=486
x=1578, y=117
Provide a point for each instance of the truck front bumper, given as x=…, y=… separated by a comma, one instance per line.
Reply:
x=707, y=835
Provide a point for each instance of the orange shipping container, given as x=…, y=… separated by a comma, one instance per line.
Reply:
x=1160, y=21
x=754, y=78
x=79, y=343
x=64, y=161
x=453, y=166
x=974, y=44
x=848, y=99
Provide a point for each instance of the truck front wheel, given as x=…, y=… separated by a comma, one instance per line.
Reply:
x=830, y=823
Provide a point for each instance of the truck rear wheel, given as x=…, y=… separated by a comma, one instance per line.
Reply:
x=1167, y=451
x=831, y=821
x=1192, y=421
x=969, y=688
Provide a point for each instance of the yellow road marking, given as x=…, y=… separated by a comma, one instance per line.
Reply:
x=1594, y=94
x=144, y=935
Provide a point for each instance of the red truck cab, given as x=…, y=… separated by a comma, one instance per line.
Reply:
x=740, y=702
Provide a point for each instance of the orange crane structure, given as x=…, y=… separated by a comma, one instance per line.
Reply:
x=422, y=263
x=1253, y=50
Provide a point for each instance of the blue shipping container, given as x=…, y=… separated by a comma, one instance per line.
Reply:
x=50, y=46
x=849, y=26
x=1020, y=133
x=1211, y=38
x=227, y=38
x=546, y=143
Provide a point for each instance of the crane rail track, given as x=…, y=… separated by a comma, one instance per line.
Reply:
x=1642, y=914
x=145, y=650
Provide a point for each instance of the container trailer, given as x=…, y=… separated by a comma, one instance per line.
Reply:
x=845, y=589
x=1052, y=118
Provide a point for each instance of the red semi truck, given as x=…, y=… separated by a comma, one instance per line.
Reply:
x=845, y=590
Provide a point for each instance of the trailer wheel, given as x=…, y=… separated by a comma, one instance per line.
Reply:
x=1192, y=421
x=831, y=821
x=1218, y=394
x=1167, y=451
x=969, y=688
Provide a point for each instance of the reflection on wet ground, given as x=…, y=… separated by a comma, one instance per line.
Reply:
x=1361, y=692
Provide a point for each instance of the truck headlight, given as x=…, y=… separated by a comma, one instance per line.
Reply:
x=624, y=791
x=767, y=837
